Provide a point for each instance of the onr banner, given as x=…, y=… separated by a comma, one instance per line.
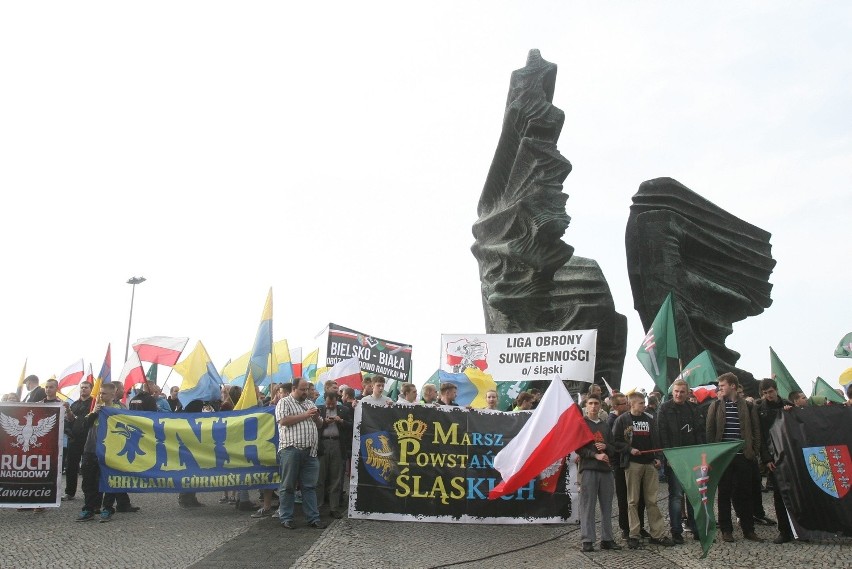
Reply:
x=435, y=464
x=390, y=359
x=141, y=451
x=31, y=454
x=523, y=356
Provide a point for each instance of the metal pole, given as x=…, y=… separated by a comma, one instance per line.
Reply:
x=131, y=281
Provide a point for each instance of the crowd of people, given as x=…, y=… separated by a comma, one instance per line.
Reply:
x=624, y=461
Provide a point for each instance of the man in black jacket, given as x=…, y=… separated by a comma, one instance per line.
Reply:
x=635, y=437
x=36, y=393
x=77, y=431
x=679, y=424
x=768, y=411
x=335, y=439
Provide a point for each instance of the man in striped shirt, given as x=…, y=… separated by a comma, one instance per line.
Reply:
x=298, y=435
x=732, y=418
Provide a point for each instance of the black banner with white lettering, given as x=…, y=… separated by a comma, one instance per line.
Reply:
x=390, y=359
x=813, y=466
x=423, y=463
x=30, y=454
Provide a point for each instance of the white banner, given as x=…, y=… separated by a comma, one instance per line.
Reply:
x=523, y=357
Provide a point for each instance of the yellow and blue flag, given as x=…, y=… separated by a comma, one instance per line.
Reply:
x=200, y=379
x=472, y=385
x=309, y=366
x=281, y=368
x=262, y=350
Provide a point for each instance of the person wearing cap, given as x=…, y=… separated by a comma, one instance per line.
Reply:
x=36, y=393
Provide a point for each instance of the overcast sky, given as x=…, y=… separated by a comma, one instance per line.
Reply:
x=336, y=153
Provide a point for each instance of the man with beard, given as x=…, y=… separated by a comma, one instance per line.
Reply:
x=298, y=423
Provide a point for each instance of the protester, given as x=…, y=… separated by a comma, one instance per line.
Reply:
x=336, y=440
x=376, y=398
x=429, y=394
x=679, y=424
x=173, y=400
x=769, y=410
x=447, y=394
x=189, y=499
x=620, y=406
x=299, y=421
x=143, y=400
x=596, y=482
x=77, y=431
x=159, y=398
x=798, y=399
x=730, y=418
x=36, y=393
x=635, y=436
x=491, y=399
x=366, y=387
x=348, y=397
x=95, y=501
x=523, y=402
x=407, y=394
x=11, y=398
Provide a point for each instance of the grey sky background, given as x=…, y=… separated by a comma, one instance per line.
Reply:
x=336, y=153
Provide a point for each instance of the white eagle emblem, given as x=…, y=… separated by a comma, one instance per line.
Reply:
x=27, y=435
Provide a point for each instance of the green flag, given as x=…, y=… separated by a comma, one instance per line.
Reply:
x=699, y=469
x=508, y=391
x=700, y=371
x=660, y=343
x=152, y=373
x=823, y=389
x=782, y=377
x=844, y=348
x=392, y=390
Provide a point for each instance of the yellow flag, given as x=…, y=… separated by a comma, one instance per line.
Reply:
x=248, y=399
x=846, y=377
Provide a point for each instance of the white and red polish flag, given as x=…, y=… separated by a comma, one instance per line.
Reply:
x=132, y=373
x=346, y=372
x=555, y=429
x=160, y=349
x=71, y=375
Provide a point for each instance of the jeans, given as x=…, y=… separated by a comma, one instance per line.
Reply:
x=297, y=466
x=675, y=512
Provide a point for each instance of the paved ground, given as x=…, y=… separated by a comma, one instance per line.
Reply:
x=162, y=535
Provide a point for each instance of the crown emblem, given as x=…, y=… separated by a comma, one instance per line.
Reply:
x=410, y=428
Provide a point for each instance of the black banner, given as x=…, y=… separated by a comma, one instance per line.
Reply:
x=390, y=359
x=436, y=464
x=814, y=470
x=30, y=454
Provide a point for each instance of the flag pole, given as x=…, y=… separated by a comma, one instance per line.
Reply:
x=166, y=381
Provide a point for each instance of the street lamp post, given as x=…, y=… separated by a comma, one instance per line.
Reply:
x=131, y=281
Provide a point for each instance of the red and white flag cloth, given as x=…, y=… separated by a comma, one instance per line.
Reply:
x=72, y=375
x=132, y=373
x=555, y=430
x=160, y=349
x=346, y=372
